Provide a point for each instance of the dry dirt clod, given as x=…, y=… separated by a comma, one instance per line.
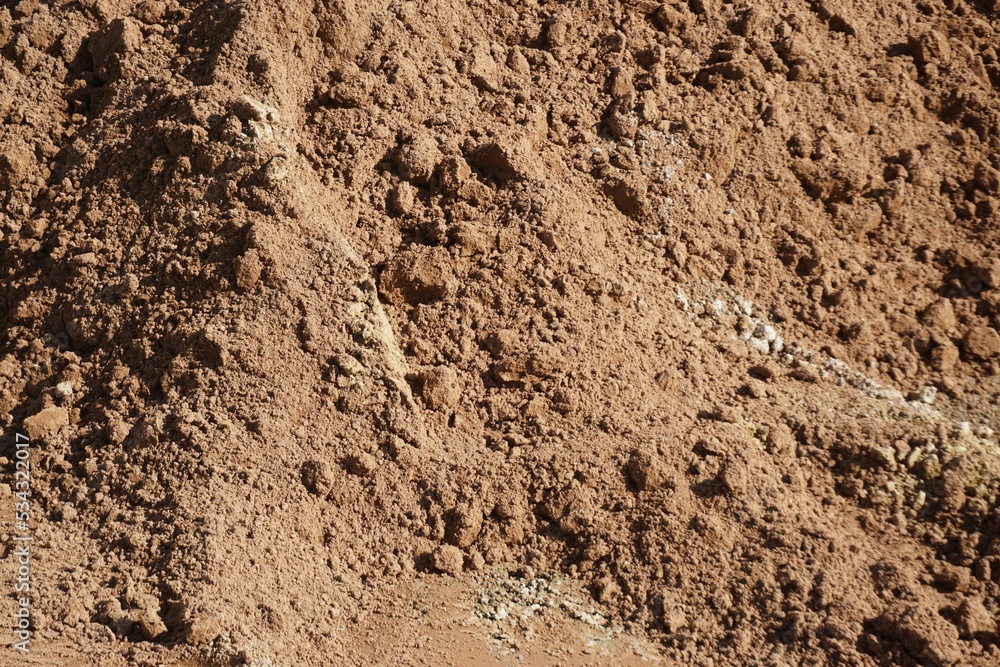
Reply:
x=317, y=477
x=448, y=559
x=150, y=12
x=463, y=524
x=982, y=342
x=644, y=470
x=440, y=387
x=46, y=423
x=150, y=624
x=922, y=633
x=248, y=269
x=110, y=46
x=622, y=121
x=418, y=158
x=402, y=198
x=944, y=356
x=418, y=276
x=362, y=464
x=557, y=32
x=15, y=162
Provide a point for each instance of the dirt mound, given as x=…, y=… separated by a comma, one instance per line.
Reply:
x=696, y=304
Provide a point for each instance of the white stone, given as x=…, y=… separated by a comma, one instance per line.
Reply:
x=349, y=365
x=927, y=394
x=766, y=332
x=681, y=300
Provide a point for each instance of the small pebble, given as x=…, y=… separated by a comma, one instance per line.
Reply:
x=349, y=365
x=962, y=428
x=766, y=332
x=925, y=394
x=745, y=327
x=759, y=345
x=681, y=300
x=886, y=455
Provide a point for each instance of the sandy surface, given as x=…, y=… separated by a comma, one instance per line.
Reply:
x=579, y=333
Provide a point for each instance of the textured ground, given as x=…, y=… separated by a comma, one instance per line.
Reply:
x=447, y=332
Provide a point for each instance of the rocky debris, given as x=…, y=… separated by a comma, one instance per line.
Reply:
x=349, y=365
x=519, y=604
x=925, y=394
x=247, y=109
x=274, y=173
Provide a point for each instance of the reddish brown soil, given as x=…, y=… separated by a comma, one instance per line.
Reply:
x=456, y=332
